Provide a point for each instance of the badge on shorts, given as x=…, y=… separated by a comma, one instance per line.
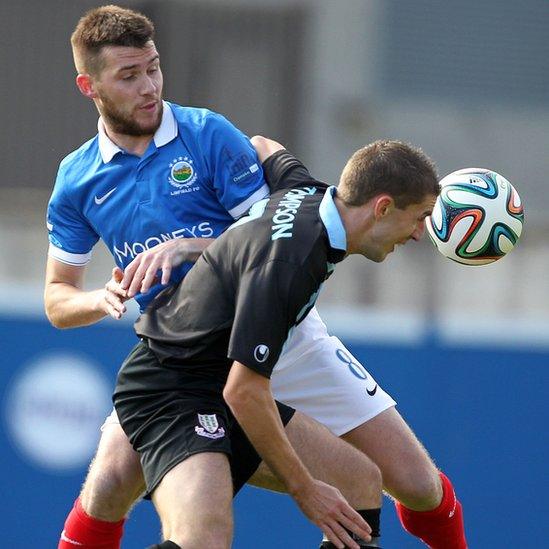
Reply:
x=209, y=426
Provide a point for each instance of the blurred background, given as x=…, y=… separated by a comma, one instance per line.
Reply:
x=464, y=350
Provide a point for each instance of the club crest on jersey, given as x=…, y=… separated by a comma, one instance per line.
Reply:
x=209, y=426
x=182, y=175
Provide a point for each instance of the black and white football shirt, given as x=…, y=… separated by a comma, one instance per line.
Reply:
x=256, y=281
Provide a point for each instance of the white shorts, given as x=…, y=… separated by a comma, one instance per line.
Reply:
x=317, y=375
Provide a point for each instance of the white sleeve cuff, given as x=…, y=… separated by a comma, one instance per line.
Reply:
x=67, y=257
x=243, y=207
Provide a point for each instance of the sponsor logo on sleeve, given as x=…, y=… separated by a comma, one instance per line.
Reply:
x=261, y=353
x=242, y=167
x=55, y=241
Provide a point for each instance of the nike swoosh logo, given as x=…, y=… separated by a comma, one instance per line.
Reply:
x=69, y=540
x=373, y=391
x=453, y=511
x=102, y=199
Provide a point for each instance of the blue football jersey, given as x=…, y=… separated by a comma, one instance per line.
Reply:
x=198, y=174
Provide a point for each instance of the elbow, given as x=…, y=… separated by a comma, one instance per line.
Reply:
x=264, y=147
x=236, y=399
x=258, y=141
x=50, y=312
x=53, y=314
x=229, y=396
x=55, y=320
x=49, y=307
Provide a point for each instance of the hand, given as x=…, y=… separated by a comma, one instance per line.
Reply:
x=141, y=273
x=112, y=300
x=324, y=505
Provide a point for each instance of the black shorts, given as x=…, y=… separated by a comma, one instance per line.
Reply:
x=171, y=411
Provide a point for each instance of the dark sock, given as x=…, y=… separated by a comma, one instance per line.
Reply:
x=372, y=517
x=165, y=545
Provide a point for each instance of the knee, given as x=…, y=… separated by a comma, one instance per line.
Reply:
x=363, y=490
x=113, y=484
x=419, y=492
x=213, y=530
x=265, y=478
x=374, y=486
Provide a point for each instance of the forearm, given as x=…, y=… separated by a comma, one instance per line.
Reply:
x=248, y=394
x=142, y=273
x=257, y=414
x=69, y=307
x=193, y=247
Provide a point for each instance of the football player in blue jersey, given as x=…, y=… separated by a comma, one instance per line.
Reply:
x=157, y=184
x=167, y=179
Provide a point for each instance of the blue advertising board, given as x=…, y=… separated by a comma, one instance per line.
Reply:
x=479, y=411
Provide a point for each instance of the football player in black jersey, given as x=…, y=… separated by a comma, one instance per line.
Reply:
x=200, y=375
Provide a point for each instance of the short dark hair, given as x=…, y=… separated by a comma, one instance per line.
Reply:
x=107, y=26
x=402, y=171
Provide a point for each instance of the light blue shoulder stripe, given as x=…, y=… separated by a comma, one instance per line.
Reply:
x=332, y=220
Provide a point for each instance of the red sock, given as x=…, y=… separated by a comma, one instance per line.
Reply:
x=441, y=528
x=84, y=532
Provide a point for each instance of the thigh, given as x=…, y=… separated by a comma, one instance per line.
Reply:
x=115, y=479
x=329, y=384
x=115, y=457
x=165, y=420
x=408, y=472
x=194, y=502
x=183, y=428
x=331, y=460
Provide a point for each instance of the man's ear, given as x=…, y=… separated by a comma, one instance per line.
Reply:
x=383, y=205
x=85, y=85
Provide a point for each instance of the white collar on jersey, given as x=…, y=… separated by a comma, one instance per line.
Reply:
x=332, y=220
x=164, y=134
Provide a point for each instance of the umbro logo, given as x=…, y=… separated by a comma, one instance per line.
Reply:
x=100, y=200
x=261, y=353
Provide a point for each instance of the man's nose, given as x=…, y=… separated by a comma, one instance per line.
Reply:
x=419, y=231
x=148, y=86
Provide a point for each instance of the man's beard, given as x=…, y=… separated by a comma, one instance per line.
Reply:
x=124, y=124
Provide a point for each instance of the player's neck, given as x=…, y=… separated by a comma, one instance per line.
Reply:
x=133, y=144
x=356, y=220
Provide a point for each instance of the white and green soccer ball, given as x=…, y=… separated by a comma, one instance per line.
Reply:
x=477, y=218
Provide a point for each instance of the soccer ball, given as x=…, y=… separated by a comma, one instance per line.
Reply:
x=477, y=217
